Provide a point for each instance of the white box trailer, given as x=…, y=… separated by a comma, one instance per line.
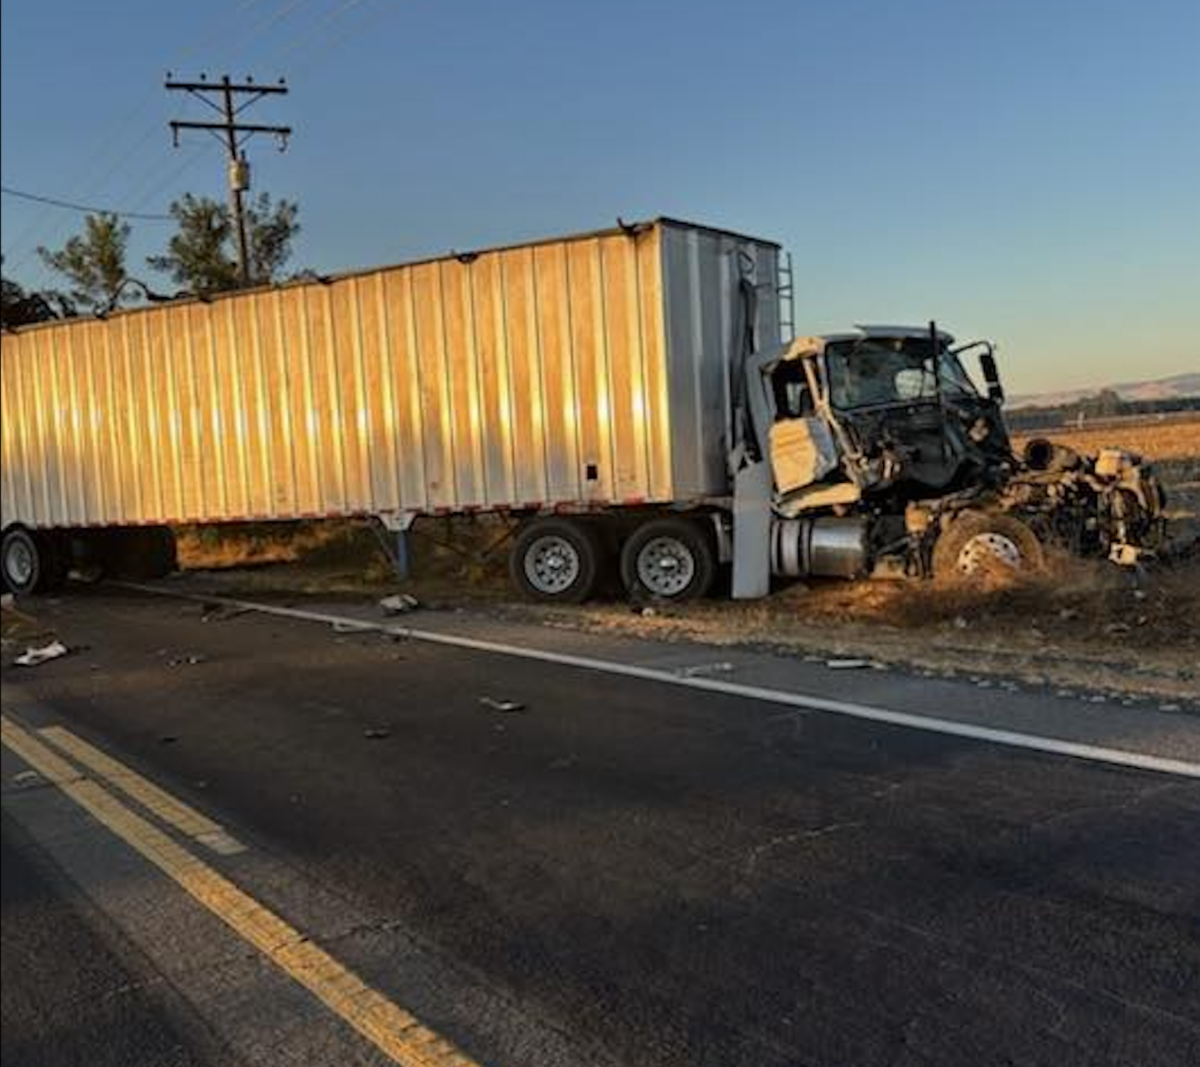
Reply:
x=588, y=373
x=626, y=395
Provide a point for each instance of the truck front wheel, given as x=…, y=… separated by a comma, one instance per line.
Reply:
x=556, y=560
x=669, y=559
x=977, y=545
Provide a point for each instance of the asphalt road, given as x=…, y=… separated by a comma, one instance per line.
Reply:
x=620, y=872
x=72, y=992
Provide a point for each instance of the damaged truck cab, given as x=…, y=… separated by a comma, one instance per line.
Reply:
x=877, y=454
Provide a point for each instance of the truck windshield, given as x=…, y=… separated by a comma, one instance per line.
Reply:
x=892, y=370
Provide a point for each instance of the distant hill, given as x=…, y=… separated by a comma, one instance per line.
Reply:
x=1176, y=387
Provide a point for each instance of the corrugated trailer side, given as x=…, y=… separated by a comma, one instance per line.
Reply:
x=524, y=377
x=582, y=383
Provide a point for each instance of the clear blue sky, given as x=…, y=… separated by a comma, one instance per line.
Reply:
x=1024, y=170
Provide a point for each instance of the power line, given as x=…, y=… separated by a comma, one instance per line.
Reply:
x=319, y=27
x=88, y=209
x=160, y=183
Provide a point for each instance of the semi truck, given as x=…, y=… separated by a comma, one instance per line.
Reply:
x=631, y=399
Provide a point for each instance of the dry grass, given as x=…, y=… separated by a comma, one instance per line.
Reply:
x=345, y=556
x=1083, y=626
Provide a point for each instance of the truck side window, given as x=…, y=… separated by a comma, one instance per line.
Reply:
x=793, y=400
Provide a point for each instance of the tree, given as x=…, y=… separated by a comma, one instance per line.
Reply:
x=93, y=262
x=1102, y=405
x=201, y=255
x=20, y=307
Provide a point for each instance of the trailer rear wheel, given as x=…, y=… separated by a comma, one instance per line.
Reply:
x=669, y=559
x=25, y=561
x=556, y=560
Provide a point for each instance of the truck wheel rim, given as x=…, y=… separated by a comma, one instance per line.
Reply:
x=552, y=564
x=18, y=563
x=666, y=566
x=986, y=550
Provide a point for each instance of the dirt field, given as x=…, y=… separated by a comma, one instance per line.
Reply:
x=1155, y=438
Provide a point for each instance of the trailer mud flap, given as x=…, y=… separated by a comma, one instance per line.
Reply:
x=752, y=531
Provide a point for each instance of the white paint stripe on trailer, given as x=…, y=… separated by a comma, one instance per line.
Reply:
x=872, y=713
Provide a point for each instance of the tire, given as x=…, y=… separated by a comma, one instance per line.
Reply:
x=977, y=545
x=556, y=561
x=25, y=561
x=669, y=559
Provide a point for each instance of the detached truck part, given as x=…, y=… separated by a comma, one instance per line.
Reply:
x=628, y=395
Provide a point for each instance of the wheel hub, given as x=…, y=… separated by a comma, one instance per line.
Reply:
x=666, y=566
x=19, y=563
x=986, y=551
x=552, y=564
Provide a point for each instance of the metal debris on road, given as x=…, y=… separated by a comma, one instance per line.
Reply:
x=377, y=733
x=699, y=670
x=501, y=705
x=399, y=604
x=33, y=657
x=847, y=664
x=348, y=626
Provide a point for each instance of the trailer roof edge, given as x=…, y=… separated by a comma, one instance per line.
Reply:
x=622, y=228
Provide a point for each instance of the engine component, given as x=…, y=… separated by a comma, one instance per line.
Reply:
x=1042, y=454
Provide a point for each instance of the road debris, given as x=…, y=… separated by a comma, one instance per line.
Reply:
x=700, y=670
x=506, y=706
x=377, y=733
x=399, y=604
x=27, y=779
x=33, y=657
x=347, y=626
x=193, y=659
x=847, y=664
x=6, y=601
x=221, y=612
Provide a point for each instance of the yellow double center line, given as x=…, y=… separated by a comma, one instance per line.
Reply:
x=389, y=1028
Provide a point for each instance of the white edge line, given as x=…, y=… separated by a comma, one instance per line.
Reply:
x=1012, y=738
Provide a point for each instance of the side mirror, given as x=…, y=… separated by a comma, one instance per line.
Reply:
x=987, y=363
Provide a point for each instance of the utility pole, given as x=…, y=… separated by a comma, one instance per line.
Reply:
x=233, y=135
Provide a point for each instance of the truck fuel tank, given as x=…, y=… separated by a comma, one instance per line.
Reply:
x=823, y=547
